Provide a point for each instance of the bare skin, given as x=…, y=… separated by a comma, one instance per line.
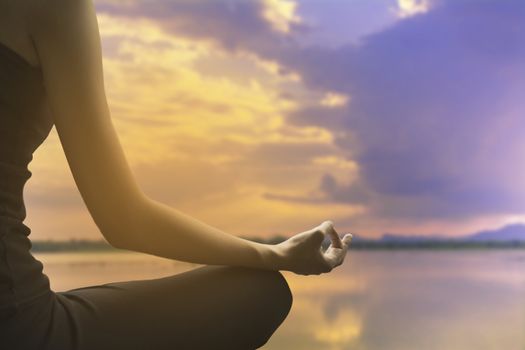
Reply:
x=62, y=38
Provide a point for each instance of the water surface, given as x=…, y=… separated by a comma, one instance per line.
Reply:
x=378, y=300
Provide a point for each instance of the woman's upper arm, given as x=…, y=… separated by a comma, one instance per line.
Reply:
x=67, y=39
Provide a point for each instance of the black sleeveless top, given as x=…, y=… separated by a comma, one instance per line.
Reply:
x=25, y=122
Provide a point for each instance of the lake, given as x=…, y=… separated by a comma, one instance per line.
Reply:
x=378, y=300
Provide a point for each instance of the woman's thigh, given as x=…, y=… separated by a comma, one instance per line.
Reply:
x=211, y=307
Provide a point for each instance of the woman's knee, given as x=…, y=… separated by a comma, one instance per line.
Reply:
x=267, y=286
x=261, y=301
x=279, y=292
x=272, y=287
x=275, y=298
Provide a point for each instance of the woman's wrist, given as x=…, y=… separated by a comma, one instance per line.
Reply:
x=271, y=256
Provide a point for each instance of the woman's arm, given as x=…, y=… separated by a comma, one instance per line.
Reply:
x=67, y=40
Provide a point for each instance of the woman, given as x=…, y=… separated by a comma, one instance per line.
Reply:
x=51, y=74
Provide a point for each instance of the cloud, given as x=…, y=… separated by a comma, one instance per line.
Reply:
x=233, y=24
x=435, y=121
x=408, y=8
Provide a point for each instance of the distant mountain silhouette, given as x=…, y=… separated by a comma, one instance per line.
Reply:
x=513, y=232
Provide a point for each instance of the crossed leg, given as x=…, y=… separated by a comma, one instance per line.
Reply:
x=211, y=307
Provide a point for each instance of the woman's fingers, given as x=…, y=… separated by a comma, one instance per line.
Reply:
x=347, y=239
x=335, y=256
x=328, y=227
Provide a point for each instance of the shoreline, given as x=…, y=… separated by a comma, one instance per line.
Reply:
x=74, y=246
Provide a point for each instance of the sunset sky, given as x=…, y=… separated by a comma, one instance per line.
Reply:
x=270, y=116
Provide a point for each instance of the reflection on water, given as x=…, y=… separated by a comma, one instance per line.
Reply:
x=377, y=300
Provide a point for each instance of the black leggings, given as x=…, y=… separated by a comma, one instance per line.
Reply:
x=210, y=307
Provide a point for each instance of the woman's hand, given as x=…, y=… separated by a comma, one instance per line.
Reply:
x=303, y=253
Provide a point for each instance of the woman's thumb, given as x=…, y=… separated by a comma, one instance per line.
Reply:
x=347, y=238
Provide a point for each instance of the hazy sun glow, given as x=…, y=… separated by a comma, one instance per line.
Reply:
x=408, y=8
x=281, y=14
x=334, y=100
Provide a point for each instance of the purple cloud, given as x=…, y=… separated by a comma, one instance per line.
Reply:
x=436, y=110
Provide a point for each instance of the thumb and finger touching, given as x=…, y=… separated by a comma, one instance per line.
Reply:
x=336, y=252
x=327, y=227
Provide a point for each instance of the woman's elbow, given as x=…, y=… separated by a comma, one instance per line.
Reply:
x=118, y=232
x=119, y=227
x=112, y=236
x=116, y=241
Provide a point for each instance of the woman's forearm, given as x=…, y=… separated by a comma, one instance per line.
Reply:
x=160, y=230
